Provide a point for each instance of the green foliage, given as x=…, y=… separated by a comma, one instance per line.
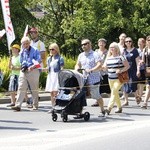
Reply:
x=4, y=67
x=69, y=64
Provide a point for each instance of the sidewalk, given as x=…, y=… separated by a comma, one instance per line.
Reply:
x=44, y=96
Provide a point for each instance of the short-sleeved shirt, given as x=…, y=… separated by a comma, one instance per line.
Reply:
x=114, y=63
x=39, y=45
x=16, y=63
x=89, y=61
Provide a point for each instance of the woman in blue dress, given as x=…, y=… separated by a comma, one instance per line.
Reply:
x=132, y=56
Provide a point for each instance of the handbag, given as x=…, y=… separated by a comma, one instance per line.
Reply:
x=123, y=77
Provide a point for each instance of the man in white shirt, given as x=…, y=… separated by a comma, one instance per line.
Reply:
x=36, y=42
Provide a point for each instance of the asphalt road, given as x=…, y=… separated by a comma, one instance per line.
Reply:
x=35, y=130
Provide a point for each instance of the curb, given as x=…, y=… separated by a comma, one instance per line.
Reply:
x=46, y=96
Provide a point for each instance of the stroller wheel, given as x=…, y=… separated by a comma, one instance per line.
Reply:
x=86, y=116
x=65, y=118
x=54, y=117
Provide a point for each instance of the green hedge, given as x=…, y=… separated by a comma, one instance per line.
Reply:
x=69, y=64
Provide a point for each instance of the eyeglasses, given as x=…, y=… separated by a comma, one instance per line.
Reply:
x=52, y=49
x=84, y=44
x=128, y=41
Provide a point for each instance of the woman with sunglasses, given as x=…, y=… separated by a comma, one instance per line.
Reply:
x=115, y=63
x=54, y=64
x=132, y=56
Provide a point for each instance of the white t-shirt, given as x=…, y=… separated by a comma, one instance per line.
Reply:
x=39, y=45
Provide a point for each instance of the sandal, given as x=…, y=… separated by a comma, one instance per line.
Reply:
x=144, y=106
x=138, y=99
x=125, y=104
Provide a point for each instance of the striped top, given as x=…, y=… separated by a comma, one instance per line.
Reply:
x=114, y=63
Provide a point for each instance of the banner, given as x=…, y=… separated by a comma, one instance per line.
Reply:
x=7, y=21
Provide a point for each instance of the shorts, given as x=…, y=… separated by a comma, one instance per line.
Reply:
x=13, y=83
x=94, y=91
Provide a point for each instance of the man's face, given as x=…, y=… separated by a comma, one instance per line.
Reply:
x=101, y=44
x=86, y=46
x=25, y=44
x=34, y=34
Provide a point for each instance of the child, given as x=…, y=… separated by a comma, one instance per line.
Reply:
x=14, y=65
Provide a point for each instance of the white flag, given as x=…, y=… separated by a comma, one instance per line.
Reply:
x=2, y=32
x=8, y=24
x=26, y=31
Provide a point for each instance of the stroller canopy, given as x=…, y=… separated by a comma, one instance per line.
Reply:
x=70, y=78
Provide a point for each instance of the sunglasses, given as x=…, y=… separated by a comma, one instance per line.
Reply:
x=52, y=49
x=84, y=44
x=128, y=41
x=148, y=40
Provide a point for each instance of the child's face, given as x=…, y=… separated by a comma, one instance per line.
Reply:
x=15, y=51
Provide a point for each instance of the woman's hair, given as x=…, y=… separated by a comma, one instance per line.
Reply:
x=143, y=41
x=129, y=38
x=54, y=46
x=115, y=45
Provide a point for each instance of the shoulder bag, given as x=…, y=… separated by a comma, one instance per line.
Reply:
x=123, y=76
x=147, y=73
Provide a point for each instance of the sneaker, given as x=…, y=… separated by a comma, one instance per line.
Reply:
x=10, y=105
x=118, y=110
x=17, y=108
x=29, y=105
x=102, y=114
x=35, y=108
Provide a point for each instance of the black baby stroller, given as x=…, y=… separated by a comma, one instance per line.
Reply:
x=71, y=97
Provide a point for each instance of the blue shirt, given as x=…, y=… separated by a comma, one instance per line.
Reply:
x=59, y=62
x=88, y=61
x=26, y=56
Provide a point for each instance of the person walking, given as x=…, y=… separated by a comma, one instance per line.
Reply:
x=36, y=42
x=132, y=55
x=115, y=63
x=142, y=78
x=90, y=61
x=15, y=66
x=30, y=59
x=55, y=63
x=146, y=61
x=102, y=51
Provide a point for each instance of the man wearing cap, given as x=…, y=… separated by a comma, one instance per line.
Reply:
x=36, y=42
x=29, y=74
x=14, y=66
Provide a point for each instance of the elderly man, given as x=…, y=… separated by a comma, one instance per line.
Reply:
x=90, y=61
x=29, y=74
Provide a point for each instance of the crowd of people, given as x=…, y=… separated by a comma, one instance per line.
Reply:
x=101, y=68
